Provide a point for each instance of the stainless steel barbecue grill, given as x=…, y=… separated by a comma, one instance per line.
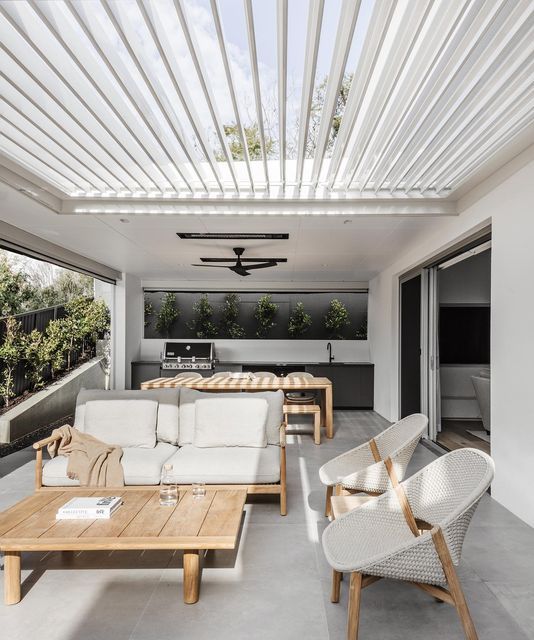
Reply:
x=187, y=356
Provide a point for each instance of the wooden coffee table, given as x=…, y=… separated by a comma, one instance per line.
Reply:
x=195, y=524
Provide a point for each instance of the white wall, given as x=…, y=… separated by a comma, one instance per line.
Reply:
x=510, y=209
x=273, y=350
x=127, y=328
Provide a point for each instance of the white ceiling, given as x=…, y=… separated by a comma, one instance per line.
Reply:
x=320, y=250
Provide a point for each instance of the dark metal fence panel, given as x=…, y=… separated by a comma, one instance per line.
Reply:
x=29, y=321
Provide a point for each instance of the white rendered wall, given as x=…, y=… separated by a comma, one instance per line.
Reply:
x=274, y=350
x=127, y=328
x=510, y=209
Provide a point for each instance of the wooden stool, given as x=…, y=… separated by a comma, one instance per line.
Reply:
x=301, y=409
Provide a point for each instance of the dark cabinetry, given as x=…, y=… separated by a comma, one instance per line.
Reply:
x=142, y=371
x=352, y=383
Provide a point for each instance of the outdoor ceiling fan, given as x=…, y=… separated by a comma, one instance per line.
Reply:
x=240, y=268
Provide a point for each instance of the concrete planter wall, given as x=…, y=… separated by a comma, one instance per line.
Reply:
x=50, y=404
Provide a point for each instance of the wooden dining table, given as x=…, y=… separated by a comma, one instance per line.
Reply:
x=322, y=385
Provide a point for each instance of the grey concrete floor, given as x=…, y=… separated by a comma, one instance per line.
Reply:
x=277, y=585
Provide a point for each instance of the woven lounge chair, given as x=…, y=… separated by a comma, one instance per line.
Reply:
x=369, y=467
x=413, y=532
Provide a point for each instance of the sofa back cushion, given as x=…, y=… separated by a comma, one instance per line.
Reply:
x=167, y=428
x=188, y=397
x=127, y=423
x=230, y=422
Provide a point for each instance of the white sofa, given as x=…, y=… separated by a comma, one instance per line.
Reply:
x=215, y=438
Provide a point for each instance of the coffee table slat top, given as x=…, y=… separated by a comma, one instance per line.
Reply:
x=210, y=522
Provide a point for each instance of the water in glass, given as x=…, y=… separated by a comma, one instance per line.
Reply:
x=199, y=490
x=168, y=491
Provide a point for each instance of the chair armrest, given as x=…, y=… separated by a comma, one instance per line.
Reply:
x=373, y=479
x=283, y=427
x=46, y=441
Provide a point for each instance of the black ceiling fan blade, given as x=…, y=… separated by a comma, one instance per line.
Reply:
x=262, y=265
x=244, y=260
x=241, y=271
x=213, y=266
x=275, y=260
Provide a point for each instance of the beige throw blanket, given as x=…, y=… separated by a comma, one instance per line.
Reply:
x=93, y=462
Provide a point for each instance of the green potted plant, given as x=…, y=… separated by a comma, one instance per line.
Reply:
x=230, y=311
x=167, y=315
x=299, y=321
x=264, y=315
x=336, y=318
x=361, y=331
x=149, y=311
x=202, y=325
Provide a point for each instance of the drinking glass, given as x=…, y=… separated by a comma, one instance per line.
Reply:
x=199, y=489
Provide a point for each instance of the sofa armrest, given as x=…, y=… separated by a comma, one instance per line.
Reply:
x=39, y=446
x=46, y=441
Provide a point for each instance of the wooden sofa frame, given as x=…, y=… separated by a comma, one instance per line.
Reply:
x=279, y=488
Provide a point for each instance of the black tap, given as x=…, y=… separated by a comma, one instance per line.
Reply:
x=330, y=356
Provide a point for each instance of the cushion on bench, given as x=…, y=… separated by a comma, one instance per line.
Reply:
x=141, y=467
x=230, y=422
x=188, y=397
x=167, y=417
x=126, y=423
x=226, y=465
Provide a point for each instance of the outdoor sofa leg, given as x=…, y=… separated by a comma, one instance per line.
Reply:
x=283, y=483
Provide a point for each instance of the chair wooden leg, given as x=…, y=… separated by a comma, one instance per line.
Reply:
x=354, y=605
x=328, y=504
x=317, y=428
x=455, y=587
x=336, y=585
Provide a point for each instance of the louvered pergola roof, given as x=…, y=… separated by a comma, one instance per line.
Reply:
x=107, y=102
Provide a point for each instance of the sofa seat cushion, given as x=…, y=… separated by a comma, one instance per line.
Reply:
x=226, y=465
x=127, y=423
x=230, y=422
x=167, y=416
x=188, y=397
x=141, y=467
